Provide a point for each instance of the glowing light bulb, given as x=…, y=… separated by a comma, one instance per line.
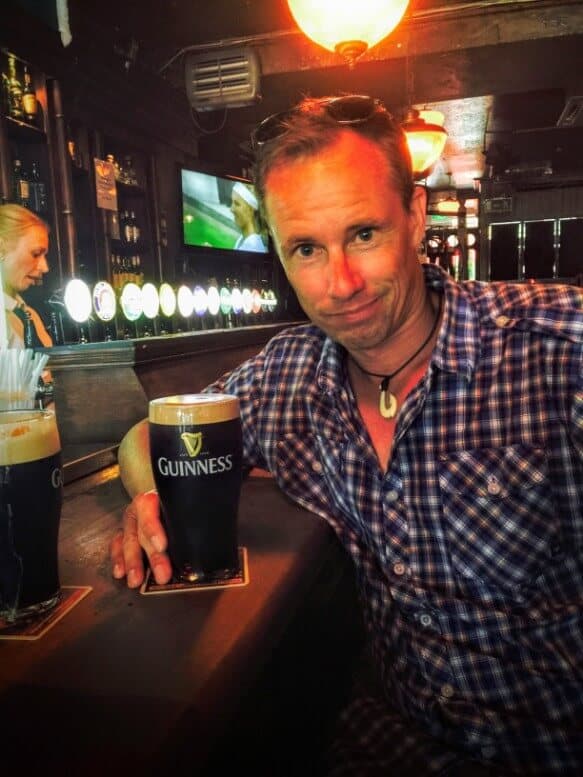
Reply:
x=349, y=27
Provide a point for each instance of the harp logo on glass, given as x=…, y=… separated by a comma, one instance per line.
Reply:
x=192, y=442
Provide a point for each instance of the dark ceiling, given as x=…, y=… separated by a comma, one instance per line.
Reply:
x=501, y=71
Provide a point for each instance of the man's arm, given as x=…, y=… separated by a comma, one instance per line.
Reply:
x=133, y=456
x=141, y=521
x=142, y=527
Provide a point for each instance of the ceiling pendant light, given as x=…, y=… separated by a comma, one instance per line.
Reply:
x=348, y=27
x=426, y=139
x=450, y=205
x=423, y=130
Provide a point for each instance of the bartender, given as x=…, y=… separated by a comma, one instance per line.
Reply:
x=24, y=243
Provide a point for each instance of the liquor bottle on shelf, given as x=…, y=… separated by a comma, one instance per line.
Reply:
x=20, y=184
x=127, y=231
x=72, y=149
x=120, y=273
x=124, y=275
x=115, y=272
x=14, y=90
x=136, y=270
x=135, y=227
x=113, y=224
x=29, y=101
x=140, y=272
x=129, y=270
x=4, y=96
x=128, y=172
x=38, y=194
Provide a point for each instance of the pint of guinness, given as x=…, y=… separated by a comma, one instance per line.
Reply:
x=196, y=450
x=30, y=510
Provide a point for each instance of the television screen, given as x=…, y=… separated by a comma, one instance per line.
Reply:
x=221, y=212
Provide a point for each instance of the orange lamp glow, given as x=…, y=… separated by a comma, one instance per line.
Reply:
x=448, y=207
x=348, y=27
x=426, y=140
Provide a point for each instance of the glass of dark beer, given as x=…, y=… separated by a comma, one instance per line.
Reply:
x=31, y=495
x=196, y=451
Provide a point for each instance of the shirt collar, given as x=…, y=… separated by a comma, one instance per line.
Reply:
x=12, y=302
x=457, y=346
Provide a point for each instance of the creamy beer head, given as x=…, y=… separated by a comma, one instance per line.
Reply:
x=194, y=409
x=27, y=435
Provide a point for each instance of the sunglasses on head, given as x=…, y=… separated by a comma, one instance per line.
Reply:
x=348, y=109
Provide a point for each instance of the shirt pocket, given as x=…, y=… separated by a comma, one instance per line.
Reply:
x=501, y=521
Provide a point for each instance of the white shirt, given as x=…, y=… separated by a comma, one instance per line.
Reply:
x=15, y=337
x=251, y=243
x=14, y=326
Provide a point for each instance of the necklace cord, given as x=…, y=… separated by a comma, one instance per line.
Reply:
x=386, y=379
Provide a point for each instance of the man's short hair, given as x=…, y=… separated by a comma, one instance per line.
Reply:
x=308, y=128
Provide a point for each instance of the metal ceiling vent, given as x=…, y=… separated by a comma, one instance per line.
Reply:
x=228, y=78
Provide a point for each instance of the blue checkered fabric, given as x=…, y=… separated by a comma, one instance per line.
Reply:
x=469, y=548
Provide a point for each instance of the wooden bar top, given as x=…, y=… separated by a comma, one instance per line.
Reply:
x=126, y=681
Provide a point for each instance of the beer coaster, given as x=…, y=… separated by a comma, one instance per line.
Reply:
x=36, y=626
x=238, y=579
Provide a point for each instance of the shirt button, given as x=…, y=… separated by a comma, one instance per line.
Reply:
x=494, y=486
x=425, y=619
x=392, y=495
x=447, y=690
x=399, y=568
x=317, y=466
x=502, y=321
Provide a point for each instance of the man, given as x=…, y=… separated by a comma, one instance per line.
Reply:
x=438, y=427
x=244, y=207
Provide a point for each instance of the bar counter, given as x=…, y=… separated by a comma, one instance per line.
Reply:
x=102, y=389
x=201, y=682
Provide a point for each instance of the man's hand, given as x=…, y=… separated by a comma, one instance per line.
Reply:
x=142, y=529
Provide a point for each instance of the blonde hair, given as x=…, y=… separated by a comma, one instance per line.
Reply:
x=14, y=222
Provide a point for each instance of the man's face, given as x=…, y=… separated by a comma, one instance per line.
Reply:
x=346, y=243
x=242, y=211
x=25, y=260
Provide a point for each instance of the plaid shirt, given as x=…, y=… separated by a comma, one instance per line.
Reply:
x=469, y=548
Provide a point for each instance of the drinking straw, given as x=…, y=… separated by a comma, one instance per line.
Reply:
x=20, y=370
